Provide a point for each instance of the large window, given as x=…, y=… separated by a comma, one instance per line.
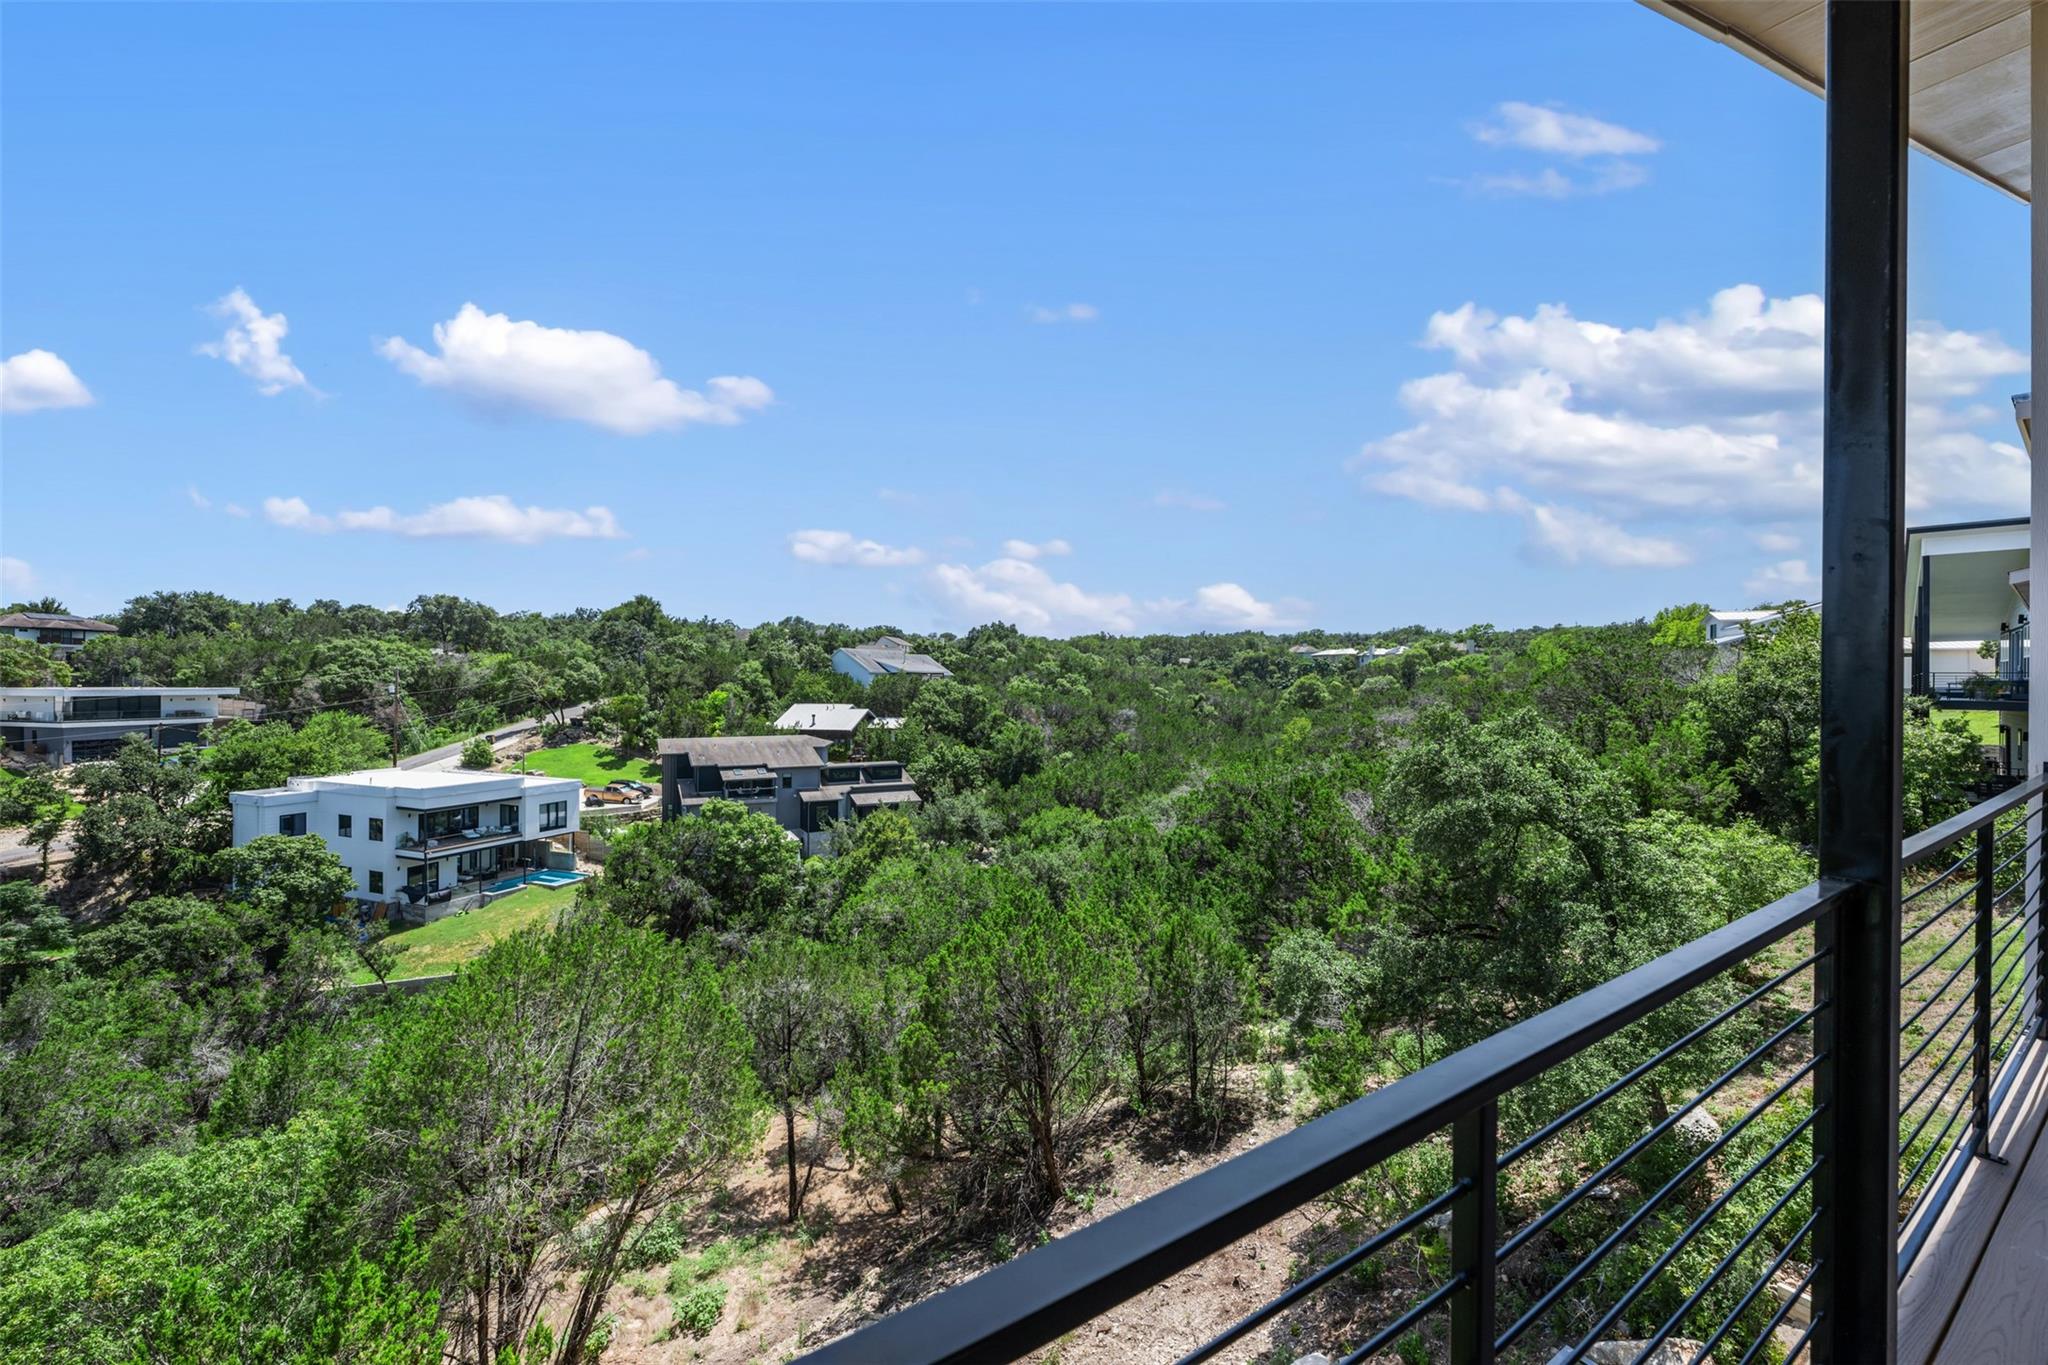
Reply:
x=554, y=815
x=345, y=826
x=295, y=823
x=376, y=883
x=438, y=824
x=116, y=708
x=376, y=830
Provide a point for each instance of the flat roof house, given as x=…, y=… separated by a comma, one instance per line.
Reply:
x=76, y=724
x=64, y=634
x=789, y=778
x=885, y=654
x=834, y=721
x=408, y=835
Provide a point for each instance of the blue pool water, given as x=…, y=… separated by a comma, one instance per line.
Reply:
x=550, y=877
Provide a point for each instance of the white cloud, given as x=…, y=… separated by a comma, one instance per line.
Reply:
x=17, y=579
x=1228, y=604
x=1183, y=501
x=1784, y=580
x=1025, y=549
x=197, y=498
x=843, y=547
x=1596, y=150
x=39, y=379
x=1555, y=418
x=1546, y=128
x=1775, y=542
x=1069, y=312
x=1025, y=595
x=234, y=509
x=254, y=344
x=1572, y=536
x=1017, y=588
x=490, y=517
x=582, y=376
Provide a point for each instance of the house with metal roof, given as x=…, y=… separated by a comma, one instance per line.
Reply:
x=54, y=630
x=882, y=655
x=789, y=778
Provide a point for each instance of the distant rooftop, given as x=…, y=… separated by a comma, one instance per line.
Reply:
x=748, y=751
x=50, y=620
x=891, y=654
x=835, y=717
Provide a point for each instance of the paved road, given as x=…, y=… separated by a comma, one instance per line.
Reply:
x=449, y=756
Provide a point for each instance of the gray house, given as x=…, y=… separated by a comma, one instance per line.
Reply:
x=790, y=778
x=885, y=654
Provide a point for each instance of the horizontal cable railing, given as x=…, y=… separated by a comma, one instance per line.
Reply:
x=1636, y=1166
x=1969, y=976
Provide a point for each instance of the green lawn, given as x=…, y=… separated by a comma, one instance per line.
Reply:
x=1983, y=724
x=447, y=943
x=591, y=764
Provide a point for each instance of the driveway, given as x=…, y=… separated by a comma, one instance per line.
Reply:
x=449, y=756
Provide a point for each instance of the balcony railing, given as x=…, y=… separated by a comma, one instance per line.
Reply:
x=1542, y=1251
x=1981, y=688
x=483, y=836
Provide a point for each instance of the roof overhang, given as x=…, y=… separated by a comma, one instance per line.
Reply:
x=1968, y=81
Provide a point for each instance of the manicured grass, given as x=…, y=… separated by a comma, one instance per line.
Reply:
x=591, y=764
x=447, y=943
x=1983, y=724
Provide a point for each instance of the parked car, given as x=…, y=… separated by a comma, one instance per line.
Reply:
x=627, y=784
x=605, y=796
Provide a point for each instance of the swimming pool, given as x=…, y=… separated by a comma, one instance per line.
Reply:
x=548, y=877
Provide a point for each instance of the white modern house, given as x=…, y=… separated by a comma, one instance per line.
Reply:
x=790, y=778
x=416, y=837
x=885, y=654
x=64, y=635
x=75, y=724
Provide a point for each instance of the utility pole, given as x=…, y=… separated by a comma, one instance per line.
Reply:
x=391, y=690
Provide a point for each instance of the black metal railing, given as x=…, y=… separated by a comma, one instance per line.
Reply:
x=1987, y=689
x=1968, y=995
x=1637, y=1164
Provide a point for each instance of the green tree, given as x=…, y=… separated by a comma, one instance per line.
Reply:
x=594, y=1067
x=146, y=823
x=245, y=756
x=34, y=804
x=724, y=870
x=24, y=663
x=1024, y=1005
x=1201, y=977
x=293, y=880
x=795, y=997
x=478, y=753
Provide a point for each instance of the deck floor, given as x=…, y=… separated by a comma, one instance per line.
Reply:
x=1978, y=1294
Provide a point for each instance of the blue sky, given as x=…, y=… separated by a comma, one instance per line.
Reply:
x=1084, y=317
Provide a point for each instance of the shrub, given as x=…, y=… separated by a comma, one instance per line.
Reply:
x=699, y=1307
x=478, y=753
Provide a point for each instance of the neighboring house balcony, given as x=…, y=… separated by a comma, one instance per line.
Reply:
x=1978, y=691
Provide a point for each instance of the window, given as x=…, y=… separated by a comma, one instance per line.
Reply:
x=788, y=779
x=295, y=823
x=116, y=708
x=439, y=824
x=376, y=830
x=508, y=817
x=554, y=815
x=345, y=826
x=376, y=883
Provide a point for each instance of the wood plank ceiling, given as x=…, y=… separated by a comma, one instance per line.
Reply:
x=1969, y=71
